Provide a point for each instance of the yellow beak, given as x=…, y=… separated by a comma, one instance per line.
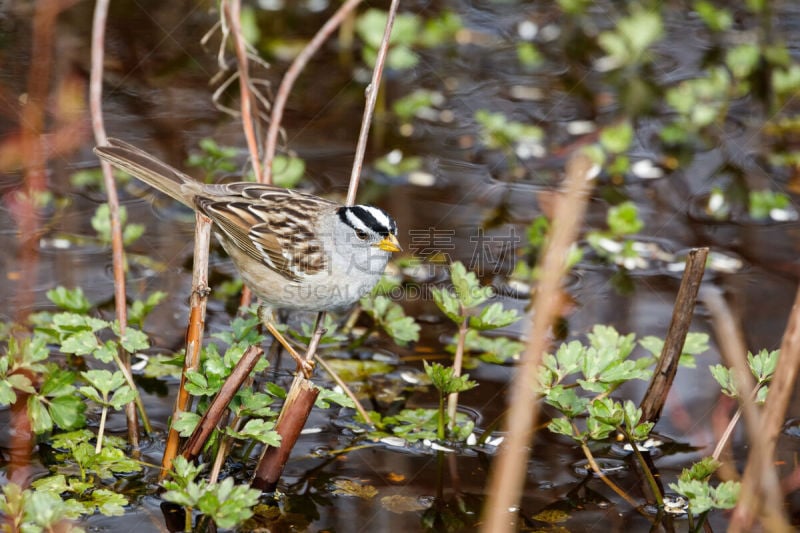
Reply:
x=389, y=244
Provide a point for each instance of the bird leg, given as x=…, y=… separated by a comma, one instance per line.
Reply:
x=303, y=365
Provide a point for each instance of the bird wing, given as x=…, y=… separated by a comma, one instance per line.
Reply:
x=272, y=225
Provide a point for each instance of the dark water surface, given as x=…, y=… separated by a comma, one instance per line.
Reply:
x=157, y=96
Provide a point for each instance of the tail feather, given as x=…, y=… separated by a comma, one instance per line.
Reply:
x=142, y=165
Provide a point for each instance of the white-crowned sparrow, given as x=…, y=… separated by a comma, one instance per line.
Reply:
x=294, y=250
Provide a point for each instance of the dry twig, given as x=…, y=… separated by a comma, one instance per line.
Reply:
x=667, y=366
x=761, y=492
x=372, y=95
x=117, y=250
x=288, y=80
x=194, y=331
x=506, y=477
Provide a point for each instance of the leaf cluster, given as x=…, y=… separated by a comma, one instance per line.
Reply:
x=762, y=365
x=227, y=504
x=600, y=367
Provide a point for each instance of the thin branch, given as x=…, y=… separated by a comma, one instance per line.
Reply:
x=233, y=10
x=506, y=476
x=761, y=478
x=210, y=419
x=339, y=381
x=194, y=331
x=288, y=80
x=607, y=480
x=458, y=362
x=369, y=107
x=117, y=250
x=726, y=435
x=667, y=366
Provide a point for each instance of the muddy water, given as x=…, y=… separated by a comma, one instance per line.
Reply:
x=157, y=97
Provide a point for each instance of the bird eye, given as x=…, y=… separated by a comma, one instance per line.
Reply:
x=361, y=234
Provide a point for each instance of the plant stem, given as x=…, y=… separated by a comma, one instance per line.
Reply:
x=607, y=480
x=117, y=250
x=233, y=9
x=137, y=397
x=651, y=481
x=458, y=363
x=440, y=422
x=103, y=414
x=506, y=477
x=288, y=80
x=372, y=95
x=194, y=331
x=339, y=381
x=667, y=365
x=761, y=492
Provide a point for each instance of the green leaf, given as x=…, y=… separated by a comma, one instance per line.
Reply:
x=627, y=43
x=72, y=322
x=763, y=364
x=567, y=359
x=493, y=316
x=251, y=403
x=197, y=384
x=717, y=19
x=786, y=81
x=623, y=219
x=701, y=470
x=287, y=171
x=440, y=30
x=726, y=494
x=567, y=401
x=698, y=492
x=103, y=380
x=131, y=233
x=67, y=411
x=415, y=103
x=327, y=396
x=642, y=431
x=21, y=383
x=617, y=138
x=105, y=353
x=139, y=310
x=725, y=380
x=122, y=396
x=562, y=426
x=109, y=503
x=81, y=343
x=743, y=59
x=468, y=289
x=232, y=504
x=391, y=317
x=108, y=462
x=93, y=394
x=38, y=415
x=597, y=429
x=70, y=300
x=57, y=382
x=447, y=304
x=491, y=349
x=445, y=381
x=7, y=394
x=257, y=429
x=185, y=423
x=132, y=340
x=607, y=411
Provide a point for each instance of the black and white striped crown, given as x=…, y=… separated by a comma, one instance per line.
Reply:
x=368, y=219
